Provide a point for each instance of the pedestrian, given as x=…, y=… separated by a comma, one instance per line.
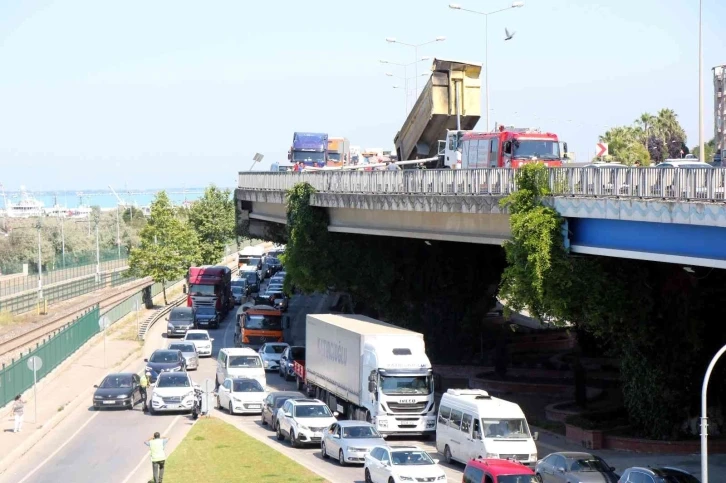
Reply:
x=158, y=457
x=143, y=385
x=18, y=412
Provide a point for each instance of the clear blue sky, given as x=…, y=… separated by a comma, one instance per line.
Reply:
x=168, y=92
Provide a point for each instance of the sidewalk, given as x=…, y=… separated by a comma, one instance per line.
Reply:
x=69, y=386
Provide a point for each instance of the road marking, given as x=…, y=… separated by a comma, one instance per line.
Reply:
x=88, y=421
x=146, y=456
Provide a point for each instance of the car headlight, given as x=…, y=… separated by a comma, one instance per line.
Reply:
x=358, y=450
x=97, y=397
x=122, y=396
x=265, y=362
x=383, y=423
x=177, y=368
x=441, y=477
x=533, y=457
x=149, y=369
x=302, y=426
x=189, y=394
x=156, y=396
x=170, y=326
x=431, y=424
x=493, y=455
x=405, y=478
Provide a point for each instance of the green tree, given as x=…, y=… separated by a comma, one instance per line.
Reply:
x=168, y=246
x=709, y=148
x=212, y=217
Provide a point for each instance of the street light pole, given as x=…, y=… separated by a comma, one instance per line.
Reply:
x=701, y=152
x=405, y=75
x=454, y=6
x=63, y=242
x=118, y=233
x=98, y=257
x=392, y=40
x=40, y=268
x=704, y=415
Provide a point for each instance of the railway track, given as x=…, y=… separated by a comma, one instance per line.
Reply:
x=29, y=338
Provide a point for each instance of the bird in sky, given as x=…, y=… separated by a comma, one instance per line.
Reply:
x=508, y=35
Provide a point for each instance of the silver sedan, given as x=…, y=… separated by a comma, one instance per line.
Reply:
x=271, y=353
x=189, y=351
x=350, y=441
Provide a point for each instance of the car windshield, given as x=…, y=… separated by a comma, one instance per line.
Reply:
x=247, y=385
x=254, y=261
x=312, y=411
x=251, y=277
x=517, y=479
x=180, y=315
x=360, y=432
x=197, y=336
x=411, y=457
x=505, y=428
x=116, y=382
x=206, y=311
x=182, y=347
x=236, y=289
x=263, y=322
x=670, y=476
x=543, y=149
x=173, y=380
x=297, y=353
x=167, y=357
x=244, y=361
x=195, y=289
x=590, y=464
x=405, y=384
x=275, y=349
x=307, y=157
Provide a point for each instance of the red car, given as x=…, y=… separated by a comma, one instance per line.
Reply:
x=492, y=470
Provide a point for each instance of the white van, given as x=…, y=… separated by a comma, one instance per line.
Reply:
x=240, y=362
x=473, y=424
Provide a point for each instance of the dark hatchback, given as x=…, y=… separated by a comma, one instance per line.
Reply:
x=118, y=390
x=206, y=317
x=253, y=281
x=273, y=402
x=165, y=361
x=180, y=320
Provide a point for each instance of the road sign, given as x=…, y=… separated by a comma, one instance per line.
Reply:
x=35, y=363
x=104, y=322
x=601, y=149
x=258, y=157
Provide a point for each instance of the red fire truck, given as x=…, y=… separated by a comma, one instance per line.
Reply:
x=211, y=286
x=508, y=147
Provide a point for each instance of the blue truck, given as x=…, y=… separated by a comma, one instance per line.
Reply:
x=310, y=148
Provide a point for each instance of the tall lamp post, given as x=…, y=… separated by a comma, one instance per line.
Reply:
x=486, y=41
x=704, y=415
x=405, y=87
x=405, y=71
x=393, y=40
x=701, y=152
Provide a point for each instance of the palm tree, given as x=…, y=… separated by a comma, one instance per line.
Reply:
x=646, y=121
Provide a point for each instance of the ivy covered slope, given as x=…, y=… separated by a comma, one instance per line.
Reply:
x=663, y=323
x=442, y=290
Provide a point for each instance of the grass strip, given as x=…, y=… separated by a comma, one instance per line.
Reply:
x=216, y=451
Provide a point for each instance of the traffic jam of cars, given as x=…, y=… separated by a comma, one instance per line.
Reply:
x=488, y=436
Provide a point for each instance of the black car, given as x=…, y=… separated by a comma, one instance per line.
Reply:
x=273, y=402
x=240, y=290
x=179, y=321
x=253, y=280
x=273, y=266
x=287, y=360
x=118, y=390
x=206, y=317
x=165, y=360
x=663, y=474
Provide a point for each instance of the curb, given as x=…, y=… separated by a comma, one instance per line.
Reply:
x=49, y=425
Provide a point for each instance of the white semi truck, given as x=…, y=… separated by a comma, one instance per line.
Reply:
x=369, y=370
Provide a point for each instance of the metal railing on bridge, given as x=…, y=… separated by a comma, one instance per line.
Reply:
x=702, y=184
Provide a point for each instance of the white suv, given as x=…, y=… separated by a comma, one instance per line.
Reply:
x=173, y=391
x=303, y=421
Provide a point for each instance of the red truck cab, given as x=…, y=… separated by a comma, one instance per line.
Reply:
x=490, y=470
x=299, y=370
x=210, y=286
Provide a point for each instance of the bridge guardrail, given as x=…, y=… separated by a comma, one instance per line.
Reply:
x=700, y=184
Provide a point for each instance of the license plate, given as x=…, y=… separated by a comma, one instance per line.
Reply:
x=254, y=406
x=109, y=402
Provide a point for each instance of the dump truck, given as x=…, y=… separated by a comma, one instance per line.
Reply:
x=338, y=152
x=451, y=100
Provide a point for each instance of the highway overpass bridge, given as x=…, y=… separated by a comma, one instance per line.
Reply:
x=660, y=214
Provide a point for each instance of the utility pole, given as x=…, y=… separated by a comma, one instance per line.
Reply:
x=98, y=257
x=40, y=267
x=118, y=232
x=63, y=242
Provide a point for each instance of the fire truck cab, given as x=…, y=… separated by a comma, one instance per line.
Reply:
x=508, y=147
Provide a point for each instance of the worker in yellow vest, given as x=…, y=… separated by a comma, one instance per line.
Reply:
x=158, y=457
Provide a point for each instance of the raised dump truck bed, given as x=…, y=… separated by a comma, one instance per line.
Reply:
x=436, y=108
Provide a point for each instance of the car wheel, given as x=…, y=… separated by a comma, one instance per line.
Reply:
x=323, y=451
x=151, y=410
x=539, y=478
x=219, y=403
x=262, y=419
x=447, y=454
x=279, y=372
x=230, y=408
x=391, y=480
x=368, y=476
x=280, y=436
x=293, y=440
x=341, y=458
